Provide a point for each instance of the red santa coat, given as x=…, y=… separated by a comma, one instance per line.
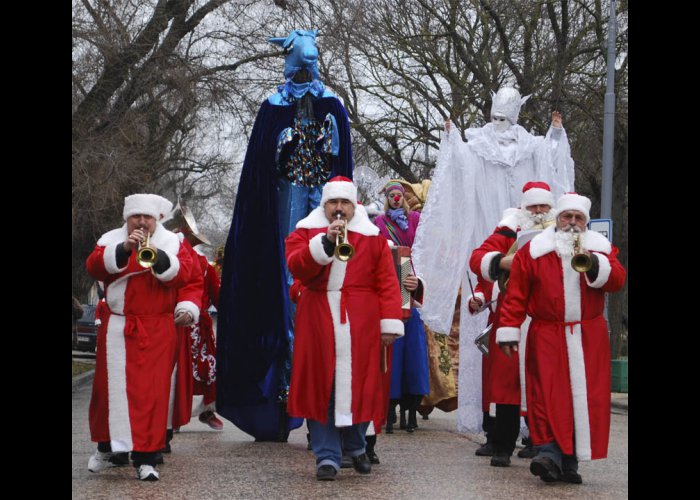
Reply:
x=136, y=343
x=189, y=298
x=202, y=335
x=341, y=312
x=502, y=385
x=568, y=351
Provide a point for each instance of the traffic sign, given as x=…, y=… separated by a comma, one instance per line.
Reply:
x=602, y=226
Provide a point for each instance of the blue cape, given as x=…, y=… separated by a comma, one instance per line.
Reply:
x=253, y=318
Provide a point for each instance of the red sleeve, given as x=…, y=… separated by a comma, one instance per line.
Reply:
x=213, y=285
x=305, y=256
x=497, y=243
x=514, y=308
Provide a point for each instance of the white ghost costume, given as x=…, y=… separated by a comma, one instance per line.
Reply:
x=473, y=183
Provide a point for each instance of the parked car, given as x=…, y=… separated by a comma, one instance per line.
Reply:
x=87, y=330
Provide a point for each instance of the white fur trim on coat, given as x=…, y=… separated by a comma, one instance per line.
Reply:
x=171, y=398
x=393, y=326
x=524, y=328
x=486, y=264
x=170, y=272
x=508, y=334
x=604, y=270
x=118, y=403
x=110, y=259
x=577, y=365
x=360, y=223
x=190, y=307
x=510, y=219
x=317, y=251
x=343, y=362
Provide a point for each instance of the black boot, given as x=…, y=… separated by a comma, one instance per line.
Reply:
x=391, y=417
x=369, y=449
x=403, y=408
x=412, y=404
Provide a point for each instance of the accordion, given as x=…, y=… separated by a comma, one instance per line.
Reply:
x=402, y=264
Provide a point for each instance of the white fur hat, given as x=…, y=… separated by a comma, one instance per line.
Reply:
x=536, y=193
x=148, y=204
x=574, y=201
x=339, y=187
x=166, y=206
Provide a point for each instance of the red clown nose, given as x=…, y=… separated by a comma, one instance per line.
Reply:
x=397, y=197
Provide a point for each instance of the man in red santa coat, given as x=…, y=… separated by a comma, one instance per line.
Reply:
x=568, y=352
x=136, y=340
x=346, y=311
x=502, y=385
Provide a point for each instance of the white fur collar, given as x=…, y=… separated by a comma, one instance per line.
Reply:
x=162, y=238
x=360, y=223
x=544, y=243
x=510, y=219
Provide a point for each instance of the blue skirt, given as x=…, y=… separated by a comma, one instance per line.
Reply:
x=409, y=362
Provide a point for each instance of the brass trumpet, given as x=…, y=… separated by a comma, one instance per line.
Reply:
x=580, y=262
x=146, y=255
x=344, y=251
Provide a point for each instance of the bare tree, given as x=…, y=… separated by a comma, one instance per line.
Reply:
x=148, y=79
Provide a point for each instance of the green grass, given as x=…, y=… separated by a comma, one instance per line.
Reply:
x=79, y=367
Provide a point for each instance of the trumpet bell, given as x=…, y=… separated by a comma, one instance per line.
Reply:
x=581, y=263
x=146, y=255
x=344, y=252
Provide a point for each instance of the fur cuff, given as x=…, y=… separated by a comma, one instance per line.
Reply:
x=317, y=251
x=604, y=269
x=486, y=265
x=508, y=334
x=190, y=307
x=172, y=271
x=393, y=326
x=110, y=259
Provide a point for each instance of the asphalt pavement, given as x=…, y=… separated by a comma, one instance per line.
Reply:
x=435, y=461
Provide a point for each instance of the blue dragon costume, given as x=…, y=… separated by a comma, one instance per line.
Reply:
x=300, y=139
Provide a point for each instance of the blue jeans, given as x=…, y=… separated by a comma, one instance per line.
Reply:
x=564, y=462
x=328, y=441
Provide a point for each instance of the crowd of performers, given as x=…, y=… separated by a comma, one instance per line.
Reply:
x=338, y=315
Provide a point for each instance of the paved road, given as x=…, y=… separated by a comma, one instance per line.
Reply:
x=434, y=462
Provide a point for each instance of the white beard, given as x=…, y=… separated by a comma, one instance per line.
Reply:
x=527, y=220
x=564, y=241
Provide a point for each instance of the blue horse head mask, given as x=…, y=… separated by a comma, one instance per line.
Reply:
x=301, y=53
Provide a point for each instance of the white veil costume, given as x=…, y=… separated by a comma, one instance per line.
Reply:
x=473, y=183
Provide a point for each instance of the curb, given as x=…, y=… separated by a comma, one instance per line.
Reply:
x=83, y=378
